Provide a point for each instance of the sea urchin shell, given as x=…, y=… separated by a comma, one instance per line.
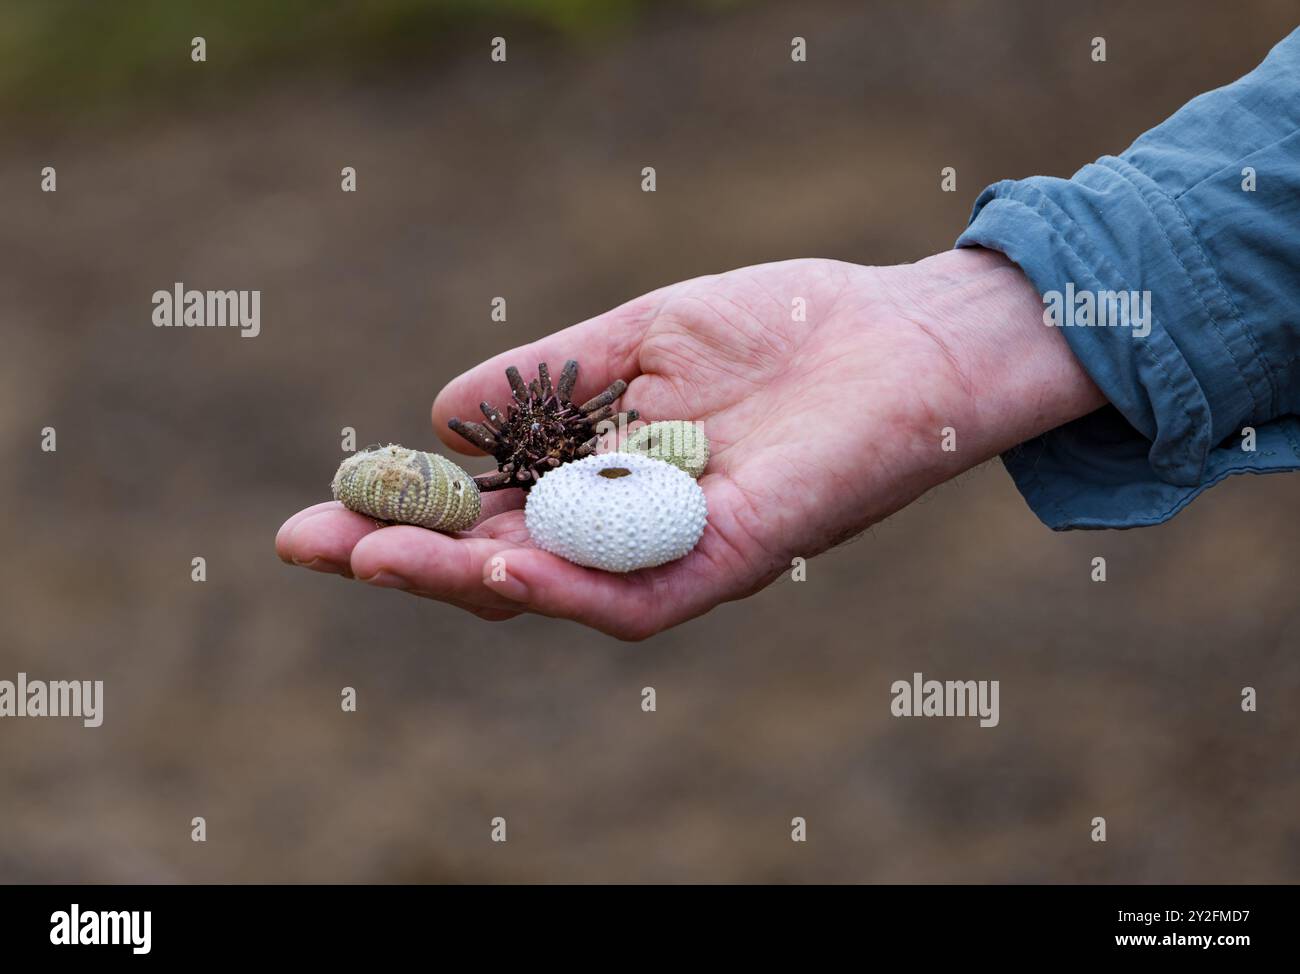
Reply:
x=541, y=427
x=392, y=483
x=616, y=511
x=677, y=441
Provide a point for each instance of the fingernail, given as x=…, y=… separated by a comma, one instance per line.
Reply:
x=504, y=582
x=325, y=565
x=387, y=579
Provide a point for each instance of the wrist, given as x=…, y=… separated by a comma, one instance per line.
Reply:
x=1014, y=376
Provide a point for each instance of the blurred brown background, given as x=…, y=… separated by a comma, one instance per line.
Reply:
x=522, y=179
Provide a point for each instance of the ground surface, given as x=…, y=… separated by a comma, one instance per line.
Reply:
x=477, y=180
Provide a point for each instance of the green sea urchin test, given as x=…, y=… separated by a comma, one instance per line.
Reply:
x=677, y=441
x=404, y=486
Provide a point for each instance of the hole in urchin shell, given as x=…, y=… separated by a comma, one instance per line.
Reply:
x=613, y=473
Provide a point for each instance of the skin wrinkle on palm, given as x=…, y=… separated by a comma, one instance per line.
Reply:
x=766, y=386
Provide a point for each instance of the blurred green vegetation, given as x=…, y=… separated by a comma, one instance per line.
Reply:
x=73, y=56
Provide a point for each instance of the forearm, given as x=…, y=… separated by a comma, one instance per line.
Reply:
x=1011, y=376
x=1196, y=225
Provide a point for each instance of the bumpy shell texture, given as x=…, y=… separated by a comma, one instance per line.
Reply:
x=617, y=512
x=392, y=483
x=677, y=441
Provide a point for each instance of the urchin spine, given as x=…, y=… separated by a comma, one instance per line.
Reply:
x=541, y=427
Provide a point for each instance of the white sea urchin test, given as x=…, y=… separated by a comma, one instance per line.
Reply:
x=616, y=511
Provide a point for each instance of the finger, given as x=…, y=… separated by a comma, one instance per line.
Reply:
x=508, y=526
x=606, y=346
x=323, y=541
x=632, y=606
x=430, y=564
x=327, y=541
x=496, y=503
x=287, y=527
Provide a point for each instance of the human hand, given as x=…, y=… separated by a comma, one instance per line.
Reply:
x=818, y=428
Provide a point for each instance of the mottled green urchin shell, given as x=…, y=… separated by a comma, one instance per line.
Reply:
x=678, y=441
x=392, y=483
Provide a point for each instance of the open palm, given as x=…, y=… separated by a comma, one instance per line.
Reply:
x=812, y=387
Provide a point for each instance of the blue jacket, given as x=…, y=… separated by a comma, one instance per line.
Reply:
x=1202, y=212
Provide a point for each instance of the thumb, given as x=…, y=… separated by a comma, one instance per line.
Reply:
x=607, y=347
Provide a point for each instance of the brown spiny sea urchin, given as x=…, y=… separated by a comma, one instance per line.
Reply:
x=541, y=427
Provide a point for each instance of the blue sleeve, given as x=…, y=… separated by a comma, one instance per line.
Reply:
x=1171, y=226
